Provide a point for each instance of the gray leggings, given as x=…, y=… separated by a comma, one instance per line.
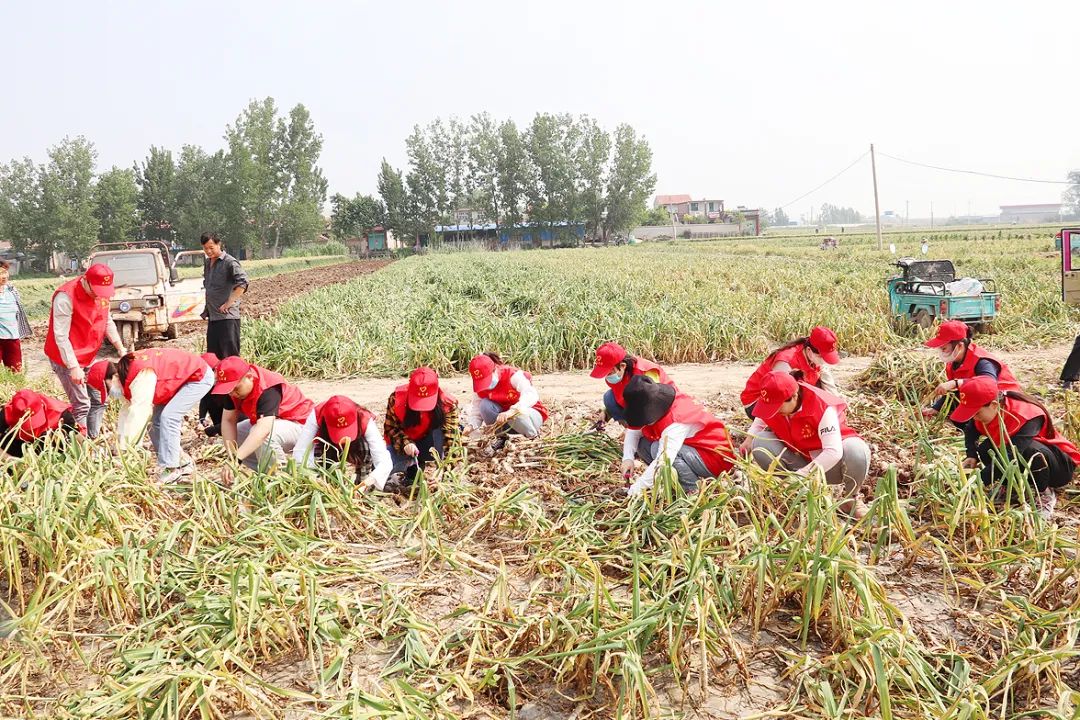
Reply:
x=851, y=471
x=525, y=423
x=687, y=465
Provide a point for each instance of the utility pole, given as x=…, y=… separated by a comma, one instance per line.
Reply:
x=877, y=208
x=931, y=214
x=907, y=212
x=674, y=233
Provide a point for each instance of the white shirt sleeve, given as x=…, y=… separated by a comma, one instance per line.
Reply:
x=756, y=427
x=631, y=439
x=528, y=397
x=62, y=311
x=381, y=461
x=135, y=414
x=472, y=414
x=832, y=444
x=671, y=442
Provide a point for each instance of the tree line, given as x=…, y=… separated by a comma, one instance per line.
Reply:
x=262, y=191
x=561, y=169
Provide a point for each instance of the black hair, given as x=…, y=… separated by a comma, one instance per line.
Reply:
x=631, y=362
x=1024, y=397
x=208, y=236
x=494, y=357
x=330, y=452
x=438, y=415
x=804, y=341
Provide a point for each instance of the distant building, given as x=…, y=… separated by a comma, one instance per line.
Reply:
x=1038, y=213
x=684, y=205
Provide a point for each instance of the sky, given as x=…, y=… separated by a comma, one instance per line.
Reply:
x=755, y=103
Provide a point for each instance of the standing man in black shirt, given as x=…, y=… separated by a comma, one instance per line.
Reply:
x=224, y=282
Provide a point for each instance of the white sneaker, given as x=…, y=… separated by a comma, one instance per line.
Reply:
x=175, y=475
x=1046, y=501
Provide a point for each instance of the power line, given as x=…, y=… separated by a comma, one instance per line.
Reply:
x=810, y=192
x=975, y=172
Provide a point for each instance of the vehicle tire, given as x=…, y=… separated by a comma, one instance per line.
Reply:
x=129, y=333
x=984, y=328
x=923, y=319
x=171, y=333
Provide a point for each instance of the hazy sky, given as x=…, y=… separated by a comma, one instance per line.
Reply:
x=752, y=102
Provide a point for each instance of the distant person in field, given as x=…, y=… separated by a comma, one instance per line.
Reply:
x=803, y=428
x=29, y=418
x=667, y=426
x=422, y=424
x=1070, y=373
x=812, y=355
x=1018, y=429
x=157, y=388
x=225, y=282
x=617, y=367
x=78, y=323
x=346, y=427
x=505, y=398
x=964, y=361
x=13, y=323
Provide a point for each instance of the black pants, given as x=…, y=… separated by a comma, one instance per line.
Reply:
x=1050, y=468
x=1071, y=371
x=222, y=339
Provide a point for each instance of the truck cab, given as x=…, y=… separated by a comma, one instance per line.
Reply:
x=927, y=291
x=1069, y=244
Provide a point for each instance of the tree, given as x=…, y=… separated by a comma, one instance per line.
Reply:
x=833, y=215
x=392, y=192
x=513, y=174
x=22, y=217
x=68, y=196
x=630, y=180
x=551, y=194
x=116, y=205
x=592, y=158
x=303, y=186
x=779, y=218
x=156, y=179
x=482, y=157
x=201, y=194
x=1072, y=195
x=425, y=182
x=656, y=217
x=353, y=216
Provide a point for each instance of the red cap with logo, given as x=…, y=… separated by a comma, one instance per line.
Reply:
x=608, y=356
x=229, y=372
x=777, y=388
x=423, y=389
x=823, y=342
x=95, y=378
x=211, y=359
x=29, y=408
x=341, y=418
x=947, y=332
x=100, y=277
x=481, y=369
x=976, y=393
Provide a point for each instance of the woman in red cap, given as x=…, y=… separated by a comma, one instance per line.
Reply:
x=964, y=360
x=278, y=418
x=805, y=428
x=421, y=423
x=666, y=426
x=617, y=367
x=29, y=417
x=1014, y=424
x=344, y=425
x=810, y=355
x=157, y=386
x=505, y=397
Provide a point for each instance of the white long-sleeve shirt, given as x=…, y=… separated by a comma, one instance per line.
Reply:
x=832, y=442
x=62, y=312
x=381, y=461
x=672, y=439
x=136, y=413
x=527, y=398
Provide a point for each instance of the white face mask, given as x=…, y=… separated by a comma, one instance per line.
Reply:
x=494, y=381
x=115, y=391
x=946, y=356
x=614, y=378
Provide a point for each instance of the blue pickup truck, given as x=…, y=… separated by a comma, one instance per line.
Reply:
x=923, y=293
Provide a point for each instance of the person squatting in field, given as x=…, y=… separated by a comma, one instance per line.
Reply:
x=964, y=360
x=345, y=427
x=505, y=398
x=29, y=418
x=156, y=386
x=617, y=367
x=1019, y=433
x=422, y=424
x=810, y=355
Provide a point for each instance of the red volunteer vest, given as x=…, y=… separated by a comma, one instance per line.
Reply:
x=362, y=415
x=89, y=317
x=794, y=357
x=294, y=406
x=641, y=367
x=800, y=431
x=504, y=395
x=423, y=427
x=1013, y=416
x=173, y=368
x=966, y=371
x=53, y=410
x=712, y=441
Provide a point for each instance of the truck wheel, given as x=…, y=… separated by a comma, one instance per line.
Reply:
x=984, y=328
x=128, y=334
x=923, y=319
x=171, y=333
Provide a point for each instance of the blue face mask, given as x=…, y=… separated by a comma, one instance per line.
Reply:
x=116, y=392
x=494, y=381
x=614, y=378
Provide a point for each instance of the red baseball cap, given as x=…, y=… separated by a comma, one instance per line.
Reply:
x=777, y=388
x=423, y=389
x=100, y=277
x=823, y=342
x=229, y=372
x=481, y=368
x=95, y=378
x=608, y=356
x=947, y=332
x=341, y=418
x=31, y=406
x=210, y=359
x=975, y=394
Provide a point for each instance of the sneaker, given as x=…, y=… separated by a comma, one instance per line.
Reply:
x=175, y=475
x=495, y=446
x=1067, y=385
x=1046, y=501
